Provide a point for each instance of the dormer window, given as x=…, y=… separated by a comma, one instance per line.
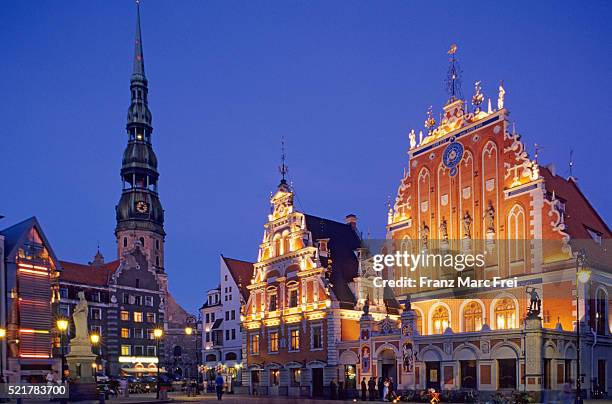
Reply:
x=322, y=244
x=595, y=235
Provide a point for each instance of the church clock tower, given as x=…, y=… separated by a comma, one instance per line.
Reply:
x=140, y=217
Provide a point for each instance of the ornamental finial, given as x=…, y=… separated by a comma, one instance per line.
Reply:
x=478, y=96
x=430, y=122
x=453, y=80
x=283, y=169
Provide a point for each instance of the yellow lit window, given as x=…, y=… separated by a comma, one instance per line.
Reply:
x=505, y=314
x=274, y=342
x=125, y=333
x=255, y=344
x=440, y=320
x=295, y=340
x=472, y=317
x=125, y=315
x=138, y=317
x=125, y=350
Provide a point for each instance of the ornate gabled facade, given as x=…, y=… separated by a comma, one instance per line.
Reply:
x=301, y=302
x=471, y=187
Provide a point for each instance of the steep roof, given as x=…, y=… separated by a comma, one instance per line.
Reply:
x=242, y=272
x=16, y=235
x=343, y=241
x=580, y=214
x=94, y=275
x=580, y=217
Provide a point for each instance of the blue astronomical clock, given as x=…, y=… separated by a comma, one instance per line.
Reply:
x=452, y=156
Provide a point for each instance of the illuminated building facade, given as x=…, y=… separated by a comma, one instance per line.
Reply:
x=471, y=186
x=220, y=314
x=29, y=285
x=302, y=302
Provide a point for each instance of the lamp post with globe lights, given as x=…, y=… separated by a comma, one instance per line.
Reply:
x=62, y=327
x=95, y=340
x=2, y=336
x=582, y=276
x=158, y=334
x=192, y=329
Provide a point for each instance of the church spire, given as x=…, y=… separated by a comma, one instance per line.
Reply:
x=140, y=216
x=139, y=70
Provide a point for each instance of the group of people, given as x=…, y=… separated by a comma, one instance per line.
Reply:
x=381, y=389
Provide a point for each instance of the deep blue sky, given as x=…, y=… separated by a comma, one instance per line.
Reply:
x=343, y=82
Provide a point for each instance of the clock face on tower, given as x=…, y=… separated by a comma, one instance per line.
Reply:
x=142, y=207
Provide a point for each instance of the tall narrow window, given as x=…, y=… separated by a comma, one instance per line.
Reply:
x=293, y=298
x=255, y=344
x=295, y=340
x=273, y=303
x=516, y=234
x=274, y=341
x=317, y=337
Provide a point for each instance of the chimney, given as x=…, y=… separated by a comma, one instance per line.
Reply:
x=351, y=220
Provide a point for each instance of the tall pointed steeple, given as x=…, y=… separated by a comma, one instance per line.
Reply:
x=139, y=70
x=140, y=216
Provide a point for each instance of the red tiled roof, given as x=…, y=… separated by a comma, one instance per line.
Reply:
x=95, y=275
x=242, y=272
x=578, y=210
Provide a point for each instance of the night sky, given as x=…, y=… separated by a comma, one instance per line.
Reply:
x=343, y=82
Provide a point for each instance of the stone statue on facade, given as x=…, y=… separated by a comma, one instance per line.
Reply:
x=534, y=303
x=444, y=229
x=500, y=97
x=467, y=225
x=425, y=234
x=366, y=306
x=490, y=218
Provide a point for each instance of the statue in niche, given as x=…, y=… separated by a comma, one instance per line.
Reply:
x=444, y=229
x=425, y=234
x=366, y=306
x=467, y=225
x=490, y=218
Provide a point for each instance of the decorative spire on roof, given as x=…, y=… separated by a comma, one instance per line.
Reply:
x=139, y=71
x=478, y=96
x=283, y=169
x=453, y=79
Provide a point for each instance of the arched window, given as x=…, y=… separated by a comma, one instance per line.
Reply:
x=419, y=322
x=601, y=312
x=230, y=356
x=472, y=317
x=125, y=242
x=516, y=234
x=440, y=320
x=277, y=245
x=505, y=314
x=211, y=358
x=142, y=241
x=286, y=245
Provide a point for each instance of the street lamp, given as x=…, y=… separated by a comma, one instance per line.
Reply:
x=582, y=276
x=95, y=339
x=62, y=326
x=2, y=336
x=158, y=333
x=190, y=329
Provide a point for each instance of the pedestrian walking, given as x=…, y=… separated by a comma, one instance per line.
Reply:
x=219, y=386
x=333, y=393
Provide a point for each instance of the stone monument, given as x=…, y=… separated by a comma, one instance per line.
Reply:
x=81, y=357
